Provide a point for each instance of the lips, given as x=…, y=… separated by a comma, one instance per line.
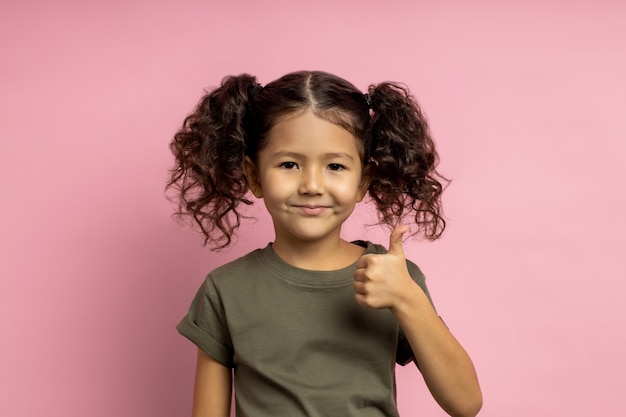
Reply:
x=310, y=210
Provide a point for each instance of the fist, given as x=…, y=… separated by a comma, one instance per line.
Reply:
x=383, y=280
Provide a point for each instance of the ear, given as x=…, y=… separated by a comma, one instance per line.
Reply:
x=249, y=169
x=366, y=179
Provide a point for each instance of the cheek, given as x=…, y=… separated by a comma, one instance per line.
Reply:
x=349, y=190
x=277, y=186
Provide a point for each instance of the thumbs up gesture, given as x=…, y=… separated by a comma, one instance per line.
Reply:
x=383, y=280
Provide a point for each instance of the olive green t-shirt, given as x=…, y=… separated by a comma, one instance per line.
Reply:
x=298, y=342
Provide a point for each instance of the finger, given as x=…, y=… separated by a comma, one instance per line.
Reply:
x=362, y=262
x=359, y=275
x=359, y=288
x=360, y=298
x=395, y=240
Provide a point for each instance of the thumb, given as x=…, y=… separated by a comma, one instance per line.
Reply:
x=395, y=240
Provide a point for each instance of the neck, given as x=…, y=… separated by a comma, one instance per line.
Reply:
x=320, y=255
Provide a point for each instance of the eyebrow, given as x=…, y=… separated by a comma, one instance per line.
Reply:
x=329, y=155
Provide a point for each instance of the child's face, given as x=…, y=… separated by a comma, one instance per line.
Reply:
x=310, y=177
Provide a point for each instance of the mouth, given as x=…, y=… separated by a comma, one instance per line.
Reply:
x=310, y=209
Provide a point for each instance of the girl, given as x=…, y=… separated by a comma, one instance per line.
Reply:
x=312, y=325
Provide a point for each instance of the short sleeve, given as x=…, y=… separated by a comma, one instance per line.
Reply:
x=205, y=324
x=404, y=354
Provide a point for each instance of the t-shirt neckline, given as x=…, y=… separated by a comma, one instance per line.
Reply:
x=308, y=277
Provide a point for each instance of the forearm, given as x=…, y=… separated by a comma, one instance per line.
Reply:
x=446, y=367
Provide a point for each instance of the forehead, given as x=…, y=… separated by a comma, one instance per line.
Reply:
x=310, y=134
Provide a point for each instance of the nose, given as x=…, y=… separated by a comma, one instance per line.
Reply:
x=311, y=182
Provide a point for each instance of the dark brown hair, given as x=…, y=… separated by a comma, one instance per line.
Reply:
x=232, y=122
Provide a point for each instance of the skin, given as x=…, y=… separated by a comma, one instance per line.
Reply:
x=212, y=388
x=310, y=176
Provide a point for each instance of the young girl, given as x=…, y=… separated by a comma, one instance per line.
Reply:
x=312, y=325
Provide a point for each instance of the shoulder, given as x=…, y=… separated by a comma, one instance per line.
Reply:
x=375, y=248
x=371, y=247
x=242, y=267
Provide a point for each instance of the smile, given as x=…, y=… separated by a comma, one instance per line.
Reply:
x=310, y=210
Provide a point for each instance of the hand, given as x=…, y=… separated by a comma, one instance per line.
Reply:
x=383, y=281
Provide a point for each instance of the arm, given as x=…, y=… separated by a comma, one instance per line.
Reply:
x=383, y=281
x=447, y=369
x=212, y=388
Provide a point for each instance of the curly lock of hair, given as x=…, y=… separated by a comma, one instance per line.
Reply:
x=406, y=182
x=209, y=149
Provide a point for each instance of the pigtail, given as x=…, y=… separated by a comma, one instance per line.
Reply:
x=208, y=176
x=406, y=182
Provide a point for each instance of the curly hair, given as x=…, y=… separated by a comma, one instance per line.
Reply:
x=232, y=121
x=406, y=180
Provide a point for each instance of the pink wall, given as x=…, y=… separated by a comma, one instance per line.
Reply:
x=527, y=102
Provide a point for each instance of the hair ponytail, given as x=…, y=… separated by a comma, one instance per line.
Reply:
x=209, y=149
x=406, y=181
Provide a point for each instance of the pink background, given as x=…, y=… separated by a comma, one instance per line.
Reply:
x=526, y=101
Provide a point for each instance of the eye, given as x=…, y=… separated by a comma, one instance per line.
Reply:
x=289, y=165
x=336, y=167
